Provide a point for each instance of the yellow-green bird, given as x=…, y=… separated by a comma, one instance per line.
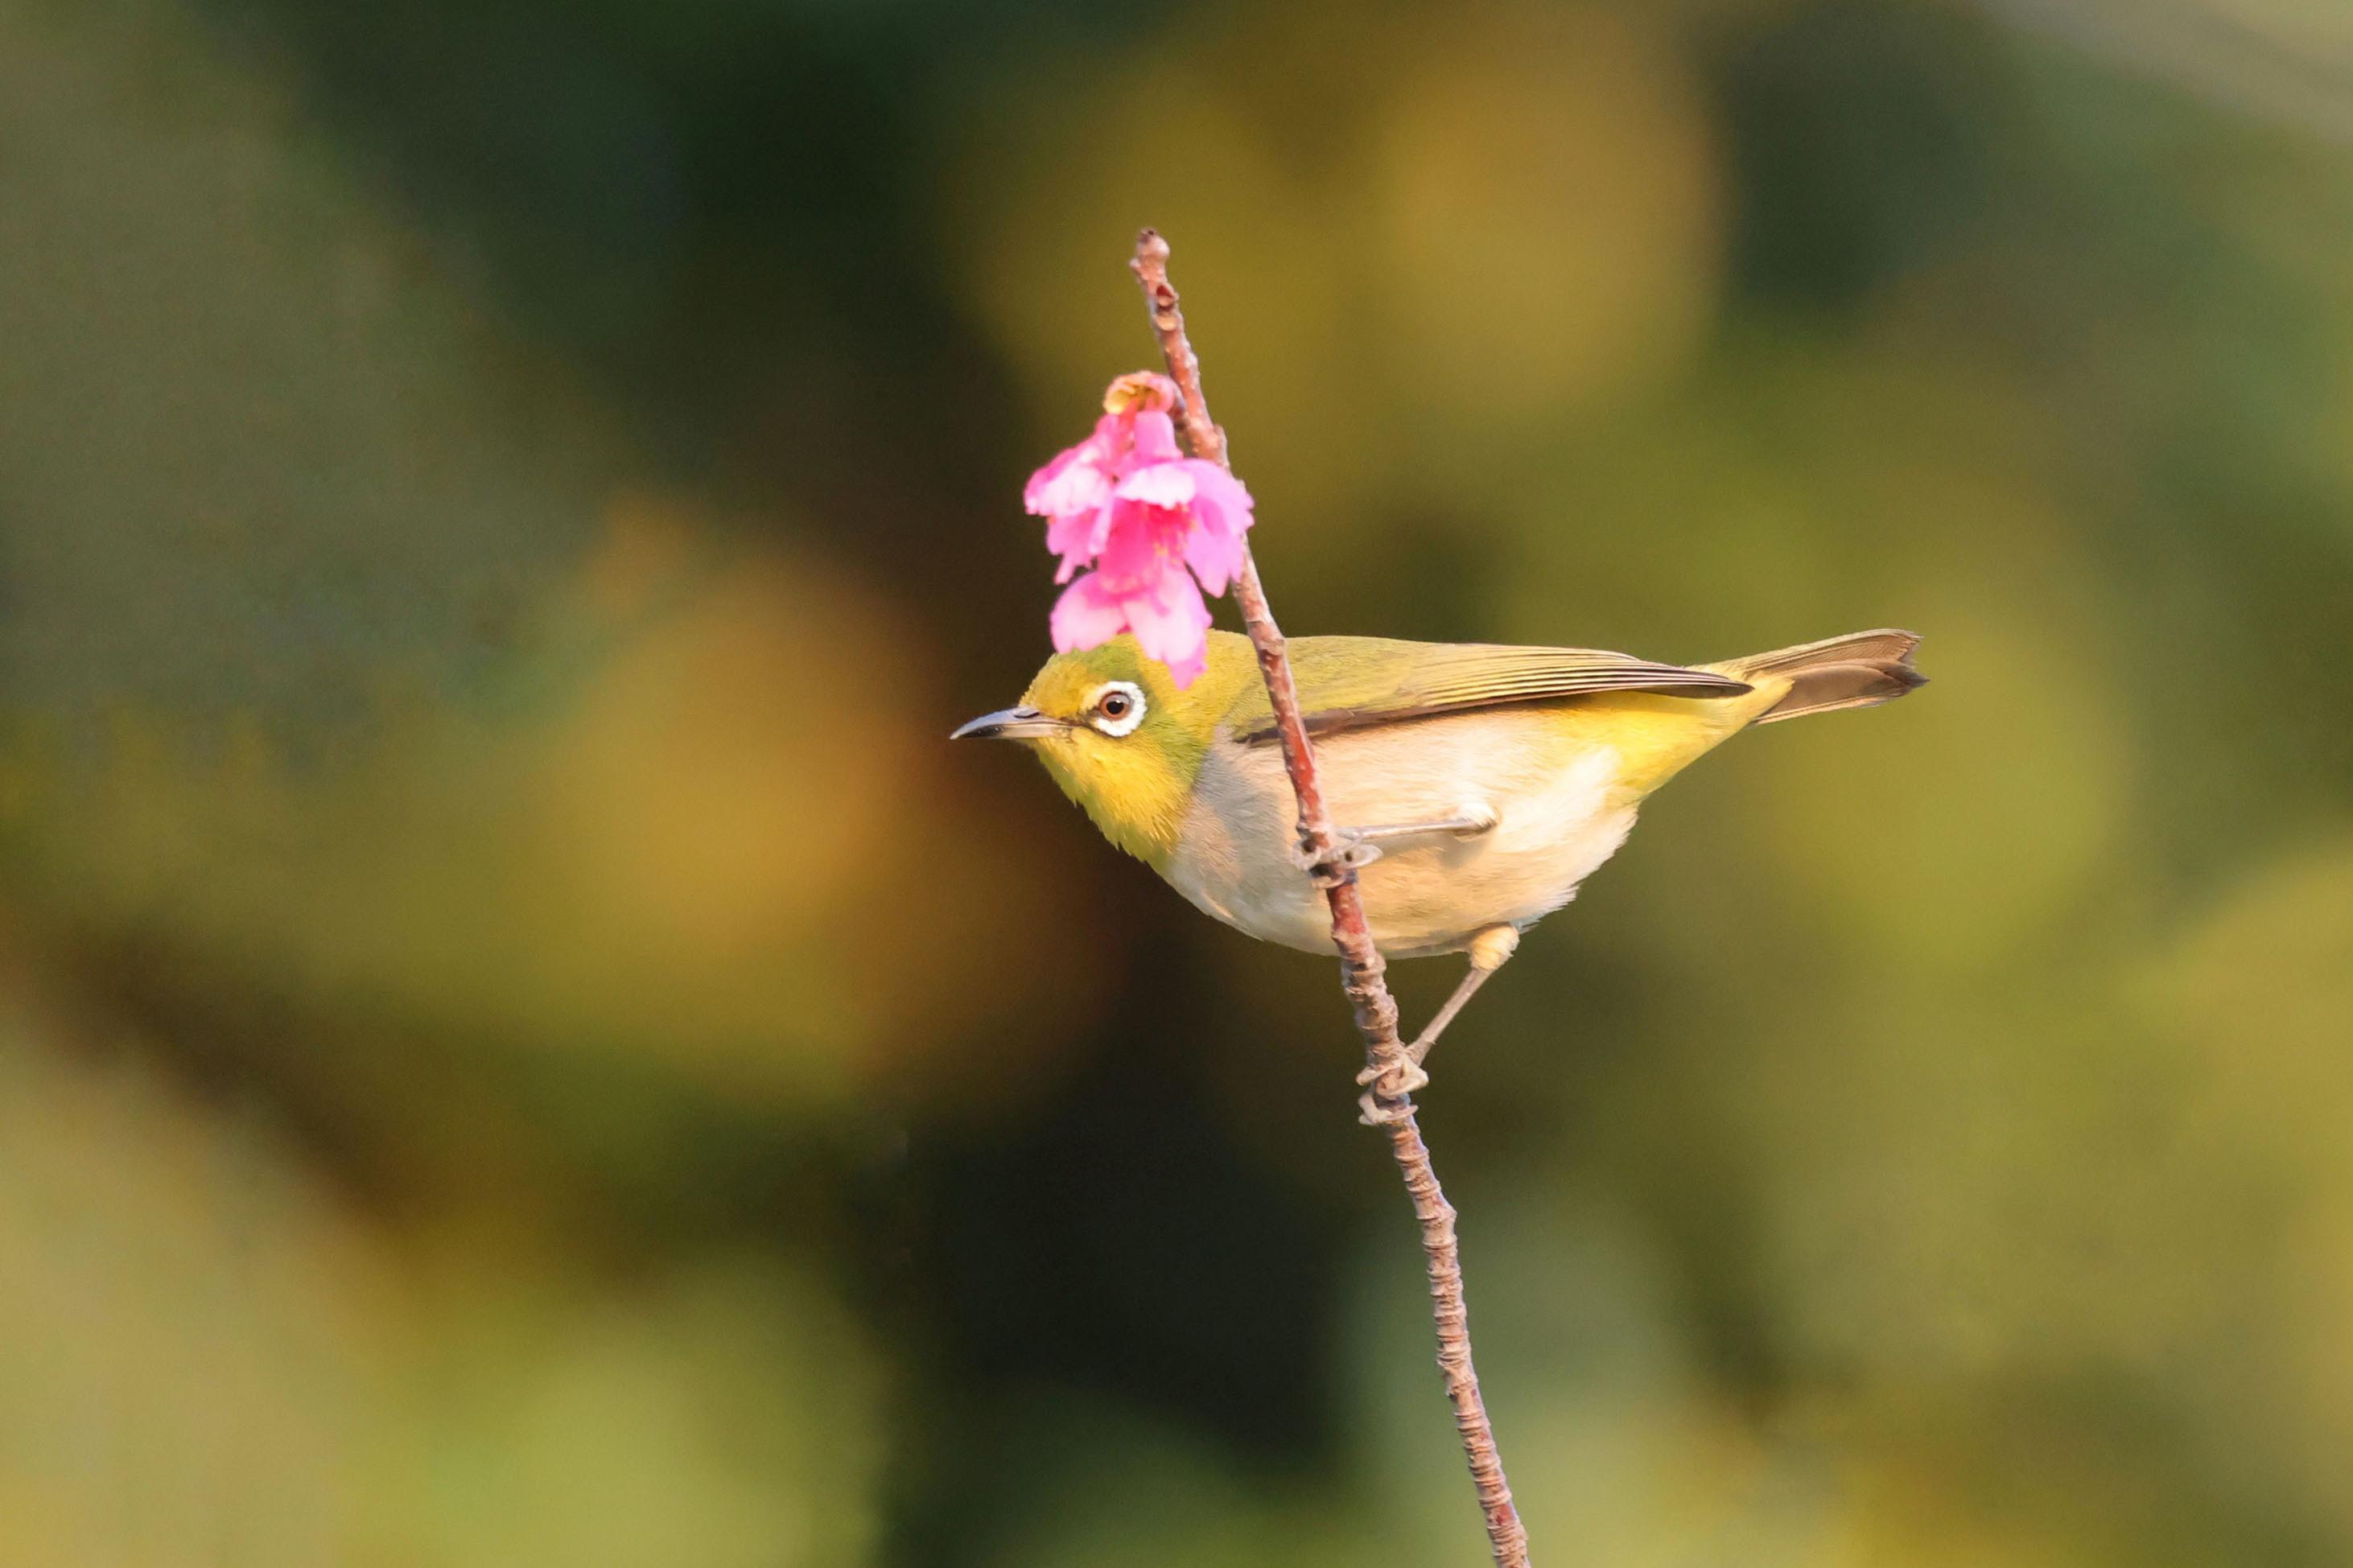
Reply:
x=1490, y=780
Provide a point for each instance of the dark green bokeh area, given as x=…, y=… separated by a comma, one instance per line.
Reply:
x=521, y=1042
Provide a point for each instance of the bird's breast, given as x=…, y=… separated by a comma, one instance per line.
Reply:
x=1555, y=793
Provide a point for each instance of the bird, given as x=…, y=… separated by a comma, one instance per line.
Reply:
x=1479, y=783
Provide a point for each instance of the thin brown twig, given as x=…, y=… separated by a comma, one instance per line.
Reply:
x=1361, y=966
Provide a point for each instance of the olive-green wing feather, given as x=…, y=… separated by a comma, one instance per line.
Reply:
x=1350, y=683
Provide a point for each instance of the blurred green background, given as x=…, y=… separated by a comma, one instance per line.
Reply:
x=519, y=1042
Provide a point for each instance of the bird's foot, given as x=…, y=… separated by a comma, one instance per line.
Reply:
x=1351, y=852
x=1387, y=1085
x=1353, y=848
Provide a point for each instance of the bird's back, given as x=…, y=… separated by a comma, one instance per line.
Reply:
x=1558, y=745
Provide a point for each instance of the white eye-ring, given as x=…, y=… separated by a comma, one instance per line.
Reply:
x=1117, y=709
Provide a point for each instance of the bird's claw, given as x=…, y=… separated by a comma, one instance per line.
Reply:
x=1388, y=1083
x=1351, y=852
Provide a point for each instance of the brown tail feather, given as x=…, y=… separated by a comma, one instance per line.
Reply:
x=1860, y=670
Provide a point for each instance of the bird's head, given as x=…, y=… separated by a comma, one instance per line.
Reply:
x=1121, y=738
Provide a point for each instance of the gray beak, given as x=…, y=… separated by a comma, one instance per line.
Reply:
x=1010, y=724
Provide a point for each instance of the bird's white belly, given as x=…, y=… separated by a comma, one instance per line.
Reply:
x=1559, y=815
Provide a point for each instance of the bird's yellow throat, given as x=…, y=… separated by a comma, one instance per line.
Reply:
x=1136, y=788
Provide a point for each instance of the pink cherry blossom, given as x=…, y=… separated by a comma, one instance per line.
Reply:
x=1155, y=526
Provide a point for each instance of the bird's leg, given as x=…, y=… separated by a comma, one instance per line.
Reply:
x=1469, y=823
x=1489, y=950
x=1360, y=847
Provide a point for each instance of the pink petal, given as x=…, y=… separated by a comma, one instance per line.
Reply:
x=1158, y=484
x=1187, y=670
x=1076, y=480
x=1219, y=499
x=1033, y=494
x=1153, y=438
x=1168, y=619
x=1141, y=542
x=1077, y=537
x=1086, y=616
x=1214, y=557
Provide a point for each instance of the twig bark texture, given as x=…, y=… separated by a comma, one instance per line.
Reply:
x=1361, y=967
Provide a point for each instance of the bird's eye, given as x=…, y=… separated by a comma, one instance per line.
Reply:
x=1118, y=709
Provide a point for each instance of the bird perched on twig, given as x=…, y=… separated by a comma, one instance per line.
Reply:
x=1480, y=782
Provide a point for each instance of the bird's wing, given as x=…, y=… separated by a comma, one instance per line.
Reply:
x=1350, y=683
